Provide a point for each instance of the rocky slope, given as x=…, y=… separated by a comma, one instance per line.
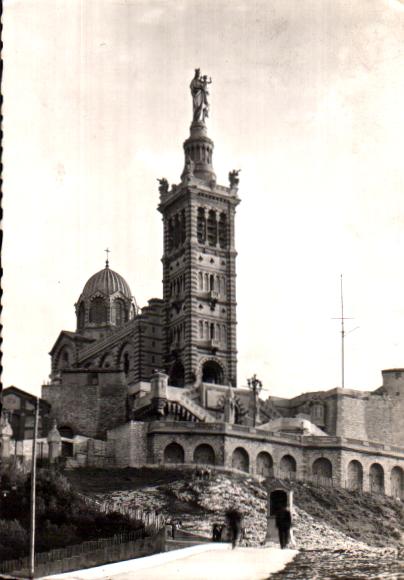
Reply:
x=323, y=518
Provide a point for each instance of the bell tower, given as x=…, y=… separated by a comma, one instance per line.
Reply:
x=199, y=259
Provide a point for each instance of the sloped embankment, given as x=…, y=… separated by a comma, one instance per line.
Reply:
x=324, y=518
x=374, y=520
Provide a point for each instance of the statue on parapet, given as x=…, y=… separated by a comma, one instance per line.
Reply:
x=234, y=178
x=200, y=93
x=163, y=186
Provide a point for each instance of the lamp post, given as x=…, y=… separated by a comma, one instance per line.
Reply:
x=255, y=385
x=33, y=496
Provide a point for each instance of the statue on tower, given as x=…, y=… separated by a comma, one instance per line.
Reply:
x=163, y=186
x=234, y=178
x=199, y=92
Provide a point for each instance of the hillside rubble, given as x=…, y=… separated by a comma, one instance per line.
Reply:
x=323, y=518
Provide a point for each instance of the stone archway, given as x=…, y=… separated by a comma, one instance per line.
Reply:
x=376, y=478
x=278, y=499
x=240, y=459
x=177, y=375
x=204, y=454
x=322, y=468
x=212, y=372
x=355, y=475
x=264, y=464
x=397, y=482
x=287, y=466
x=174, y=453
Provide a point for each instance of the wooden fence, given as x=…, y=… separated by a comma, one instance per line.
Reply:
x=124, y=546
x=152, y=521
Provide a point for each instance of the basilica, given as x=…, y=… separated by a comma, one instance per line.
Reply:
x=158, y=385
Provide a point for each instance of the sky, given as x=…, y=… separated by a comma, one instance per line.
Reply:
x=306, y=99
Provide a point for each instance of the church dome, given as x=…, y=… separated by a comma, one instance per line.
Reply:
x=108, y=282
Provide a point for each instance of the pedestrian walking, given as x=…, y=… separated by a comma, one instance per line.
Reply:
x=283, y=523
x=234, y=519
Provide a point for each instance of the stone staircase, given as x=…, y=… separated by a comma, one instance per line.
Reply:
x=183, y=399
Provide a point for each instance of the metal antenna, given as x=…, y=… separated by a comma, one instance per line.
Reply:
x=342, y=318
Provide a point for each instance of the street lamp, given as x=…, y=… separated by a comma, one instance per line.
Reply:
x=255, y=385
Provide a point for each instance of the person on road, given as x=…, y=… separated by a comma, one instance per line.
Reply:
x=234, y=519
x=283, y=523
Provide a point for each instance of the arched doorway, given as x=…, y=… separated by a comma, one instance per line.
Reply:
x=264, y=464
x=177, y=375
x=278, y=499
x=376, y=478
x=355, y=475
x=322, y=468
x=204, y=454
x=397, y=480
x=288, y=466
x=212, y=373
x=240, y=460
x=173, y=453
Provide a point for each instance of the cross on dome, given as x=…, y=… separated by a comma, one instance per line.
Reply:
x=107, y=251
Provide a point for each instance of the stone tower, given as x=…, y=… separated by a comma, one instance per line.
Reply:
x=199, y=261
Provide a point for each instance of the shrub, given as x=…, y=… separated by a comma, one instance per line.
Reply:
x=13, y=540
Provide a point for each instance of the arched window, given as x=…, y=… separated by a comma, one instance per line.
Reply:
x=212, y=373
x=317, y=414
x=212, y=228
x=183, y=227
x=98, y=311
x=397, y=481
x=177, y=233
x=200, y=329
x=211, y=282
x=81, y=318
x=240, y=459
x=264, y=464
x=288, y=465
x=170, y=239
x=120, y=312
x=376, y=478
x=173, y=453
x=201, y=226
x=355, y=475
x=223, y=230
x=204, y=454
x=322, y=468
x=64, y=358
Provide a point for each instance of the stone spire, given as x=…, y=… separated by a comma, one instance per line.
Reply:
x=198, y=148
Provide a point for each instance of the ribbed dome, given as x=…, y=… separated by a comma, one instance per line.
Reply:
x=108, y=282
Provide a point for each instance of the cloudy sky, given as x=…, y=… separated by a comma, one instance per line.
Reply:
x=307, y=99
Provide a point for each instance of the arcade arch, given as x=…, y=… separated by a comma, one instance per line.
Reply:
x=322, y=467
x=174, y=453
x=240, y=459
x=376, y=478
x=355, y=475
x=204, y=454
x=264, y=464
